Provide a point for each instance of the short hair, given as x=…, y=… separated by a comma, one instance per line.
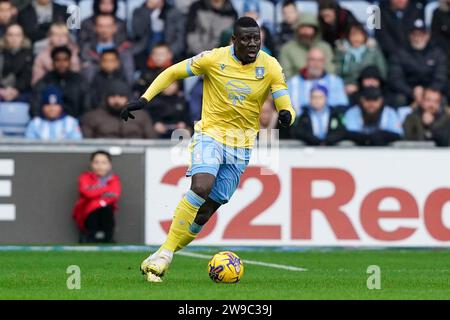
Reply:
x=161, y=44
x=328, y=4
x=244, y=22
x=288, y=3
x=102, y=152
x=432, y=89
x=61, y=49
x=110, y=50
x=100, y=15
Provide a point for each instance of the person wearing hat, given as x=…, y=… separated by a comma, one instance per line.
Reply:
x=53, y=123
x=371, y=123
x=105, y=121
x=319, y=124
x=421, y=64
x=293, y=54
x=395, y=18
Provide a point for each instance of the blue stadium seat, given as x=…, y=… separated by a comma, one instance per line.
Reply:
x=14, y=117
x=429, y=9
x=358, y=8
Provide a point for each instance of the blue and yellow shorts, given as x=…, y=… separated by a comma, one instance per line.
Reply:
x=224, y=162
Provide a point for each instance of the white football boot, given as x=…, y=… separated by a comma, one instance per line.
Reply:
x=155, y=266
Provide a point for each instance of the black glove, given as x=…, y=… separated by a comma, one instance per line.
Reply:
x=284, y=118
x=132, y=106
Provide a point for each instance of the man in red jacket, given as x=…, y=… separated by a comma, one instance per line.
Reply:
x=99, y=191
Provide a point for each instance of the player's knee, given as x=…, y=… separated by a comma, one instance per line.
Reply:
x=201, y=190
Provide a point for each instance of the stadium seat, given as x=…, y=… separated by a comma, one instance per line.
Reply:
x=403, y=112
x=238, y=6
x=65, y=2
x=358, y=8
x=14, y=117
x=429, y=9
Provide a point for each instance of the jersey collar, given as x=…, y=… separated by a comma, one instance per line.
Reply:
x=233, y=55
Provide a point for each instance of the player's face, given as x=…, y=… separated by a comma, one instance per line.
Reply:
x=247, y=43
x=101, y=165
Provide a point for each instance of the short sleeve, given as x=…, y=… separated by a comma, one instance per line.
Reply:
x=199, y=64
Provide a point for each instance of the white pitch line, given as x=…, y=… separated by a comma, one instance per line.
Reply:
x=259, y=263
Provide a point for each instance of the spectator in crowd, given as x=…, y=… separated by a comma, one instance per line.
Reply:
x=268, y=123
x=334, y=21
x=421, y=64
x=183, y=5
x=154, y=22
x=354, y=53
x=252, y=9
x=430, y=121
x=440, y=29
x=169, y=111
x=293, y=54
x=88, y=28
x=105, y=31
x=58, y=36
x=370, y=76
x=110, y=69
x=290, y=16
x=105, y=122
x=75, y=90
x=99, y=191
x=53, y=123
x=38, y=15
x=160, y=58
x=7, y=15
x=314, y=73
x=396, y=17
x=206, y=20
x=319, y=124
x=15, y=65
x=372, y=123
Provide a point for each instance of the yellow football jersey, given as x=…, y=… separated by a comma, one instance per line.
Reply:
x=233, y=93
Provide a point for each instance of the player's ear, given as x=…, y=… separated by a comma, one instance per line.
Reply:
x=233, y=38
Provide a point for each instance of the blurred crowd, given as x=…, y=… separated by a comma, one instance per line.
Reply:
x=348, y=80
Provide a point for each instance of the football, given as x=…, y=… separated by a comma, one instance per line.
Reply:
x=225, y=267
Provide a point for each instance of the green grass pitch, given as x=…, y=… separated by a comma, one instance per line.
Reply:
x=331, y=274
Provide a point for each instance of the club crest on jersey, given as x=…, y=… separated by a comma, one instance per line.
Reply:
x=222, y=66
x=259, y=72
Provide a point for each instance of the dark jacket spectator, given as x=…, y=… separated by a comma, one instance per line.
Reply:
x=319, y=124
x=169, y=111
x=396, y=17
x=105, y=30
x=293, y=54
x=290, y=15
x=37, y=17
x=370, y=76
x=110, y=70
x=440, y=29
x=87, y=30
x=334, y=21
x=7, y=15
x=371, y=123
x=105, y=121
x=206, y=20
x=74, y=87
x=160, y=58
x=15, y=65
x=152, y=25
x=419, y=65
x=355, y=53
x=430, y=121
x=99, y=190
